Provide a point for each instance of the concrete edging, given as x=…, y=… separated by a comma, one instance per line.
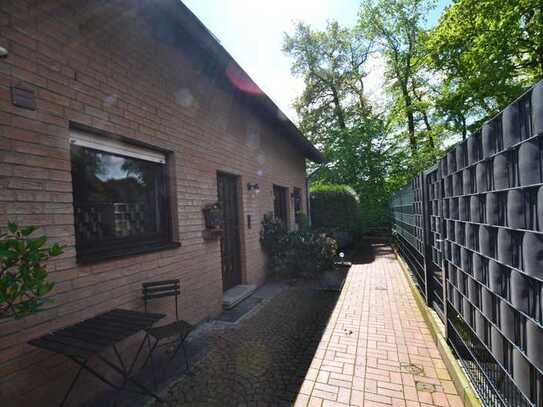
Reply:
x=463, y=385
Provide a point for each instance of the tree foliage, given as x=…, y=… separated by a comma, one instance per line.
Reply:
x=487, y=53
x=396, y=27
x=440, y=83
x=331, y=63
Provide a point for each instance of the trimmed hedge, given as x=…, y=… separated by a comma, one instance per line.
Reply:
x=334, y=207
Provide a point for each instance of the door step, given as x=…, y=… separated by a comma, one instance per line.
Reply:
x=236, y=294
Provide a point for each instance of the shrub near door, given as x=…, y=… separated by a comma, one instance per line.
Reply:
x=297, y=253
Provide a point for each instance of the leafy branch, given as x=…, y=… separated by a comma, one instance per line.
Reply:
x=23, y=273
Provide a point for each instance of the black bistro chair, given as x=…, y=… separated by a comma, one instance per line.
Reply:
x=178, y=329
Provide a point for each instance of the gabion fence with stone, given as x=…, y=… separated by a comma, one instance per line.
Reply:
x=471, y=230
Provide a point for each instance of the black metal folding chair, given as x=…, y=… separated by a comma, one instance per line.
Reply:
x=179, y=328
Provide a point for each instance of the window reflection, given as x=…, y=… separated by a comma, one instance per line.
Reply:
x=118, y=201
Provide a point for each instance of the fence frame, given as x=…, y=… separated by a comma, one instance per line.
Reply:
x=494, y=337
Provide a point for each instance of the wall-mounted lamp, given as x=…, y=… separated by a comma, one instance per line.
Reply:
x=3, y=52
x=253, y=187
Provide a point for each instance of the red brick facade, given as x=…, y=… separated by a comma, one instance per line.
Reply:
x=104, y=68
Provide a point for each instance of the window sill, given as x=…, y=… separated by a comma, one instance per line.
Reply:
x=99, y=257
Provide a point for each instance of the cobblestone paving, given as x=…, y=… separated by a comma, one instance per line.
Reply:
x=371, y=348
x=377, y=350
x=263, y=361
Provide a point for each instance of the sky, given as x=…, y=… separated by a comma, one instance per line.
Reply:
x=252, y=31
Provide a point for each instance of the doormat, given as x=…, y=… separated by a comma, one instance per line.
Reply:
x=243, y=308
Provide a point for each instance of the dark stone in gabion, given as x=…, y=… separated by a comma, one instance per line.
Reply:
x=460, y=156
x=529, y=163
x=537, y=108
x=453, y=208
x=466, y=261
x=492, y=209
x=532, y=250
x=479, y=268
x=453, y=274
x=534, y=343
x=497, y=277
x=516, y=209
x=457, y=186
x=501, y=171
x=461, y=282
x=487, y=304
x=505, y=246
x=521, y=371
x=507, y=321
x=466, y=312
x=463, y=208
x=444, y=168
x=451, y=161
x=540, y=209
x=458, y=302
x=481, y=173
x=473, y=292
x=497, y=342
x=489, y=135
x=473, y=148
x=472, y=235
x=476, y=213
x=511, y=125
x=450, y=291
x=460, y=233
x=480, y=326
x=456, y=256
x=520, y=292
x=450, y=230
x=467, y=185
x=486, y=241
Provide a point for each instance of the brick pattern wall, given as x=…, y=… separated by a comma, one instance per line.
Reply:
x=102, y=68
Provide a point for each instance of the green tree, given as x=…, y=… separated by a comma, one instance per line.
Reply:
x=361, y=149
x=331, y=63
x=396, y=27
x=487, y=53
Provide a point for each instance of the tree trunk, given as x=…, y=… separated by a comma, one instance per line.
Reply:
x=410, y=117
x=338, y=110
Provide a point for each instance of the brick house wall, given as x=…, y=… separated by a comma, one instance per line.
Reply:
x=104, y=68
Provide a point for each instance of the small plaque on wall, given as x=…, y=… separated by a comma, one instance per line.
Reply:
x=23, y=97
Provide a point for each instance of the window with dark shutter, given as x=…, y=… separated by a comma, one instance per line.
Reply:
x=121, y=201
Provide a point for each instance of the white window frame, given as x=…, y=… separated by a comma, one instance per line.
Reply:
x=84, y=139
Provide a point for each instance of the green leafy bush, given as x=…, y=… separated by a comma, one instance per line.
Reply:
x=334, y=207
x=336, y=211
x=300, y=252
x=23, y=274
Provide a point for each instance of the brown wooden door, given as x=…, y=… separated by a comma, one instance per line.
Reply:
x=280, y=202
x=230, y=242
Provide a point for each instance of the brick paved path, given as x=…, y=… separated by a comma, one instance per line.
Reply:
x=377, y=350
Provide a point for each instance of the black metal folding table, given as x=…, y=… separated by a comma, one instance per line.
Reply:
x=91, y=337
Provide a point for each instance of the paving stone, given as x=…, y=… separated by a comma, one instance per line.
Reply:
x=395, y=360
x=307, y=348
x=264, y=359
